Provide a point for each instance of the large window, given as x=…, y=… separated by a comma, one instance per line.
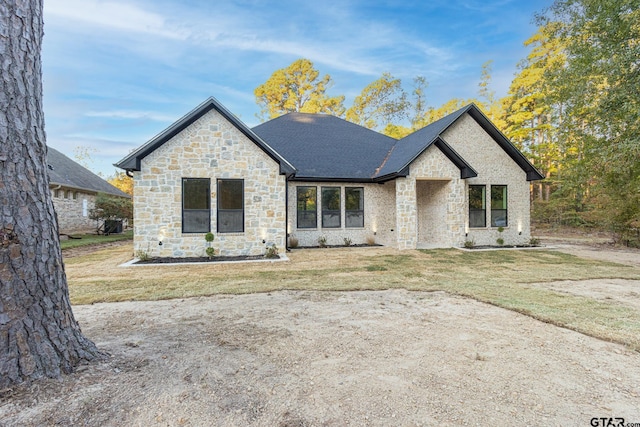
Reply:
x=230, y=206
x=354, y=206
x=477, y=206
x=307, y=207
x=331, y=207
x=196, y=205
x=499, y=206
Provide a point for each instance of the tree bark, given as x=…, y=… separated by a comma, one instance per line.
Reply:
x=39, y=335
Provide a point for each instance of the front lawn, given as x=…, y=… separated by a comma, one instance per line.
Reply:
x=501, y=278
x=94, y=239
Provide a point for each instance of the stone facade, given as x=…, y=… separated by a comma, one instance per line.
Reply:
x=429, y=203
x=213, y=148
x=379, y=215
x=72, y=210
x=494, y=167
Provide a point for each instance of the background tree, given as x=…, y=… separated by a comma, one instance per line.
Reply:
x=297, y=87
x=382, y=102
x=38, y=333
x=598, y=88
x=122, y=181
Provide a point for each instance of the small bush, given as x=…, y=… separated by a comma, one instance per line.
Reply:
x=293, y=242
x=500, y=229
x=209, y=237
x=210, y=252
x=322, y=241
x=142, y=255
x=347, y=241
x=534, y=241
x=271, y=252
x=469, y=244
x=500, y=241
x=371, y=240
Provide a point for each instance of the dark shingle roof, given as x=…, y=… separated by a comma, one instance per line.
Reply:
x=410, y=147
x=325, y=147
x=132, y=161
x=67, y=173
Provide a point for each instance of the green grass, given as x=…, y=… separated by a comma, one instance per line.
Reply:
x=502, y=278
x=94, y=239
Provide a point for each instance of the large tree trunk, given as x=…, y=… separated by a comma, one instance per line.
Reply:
x=38, y=333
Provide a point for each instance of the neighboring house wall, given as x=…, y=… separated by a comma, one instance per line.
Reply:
x=379, y=217
x=430, y=203
x=494, y=167
x=72, y=210
x=211, y=148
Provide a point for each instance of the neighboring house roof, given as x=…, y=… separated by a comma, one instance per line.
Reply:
x=324, y=147
x=410, y=147
x=65, y=172
x=132, y=161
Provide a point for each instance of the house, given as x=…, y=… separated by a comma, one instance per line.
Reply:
x=314, y=175
x=73, y=190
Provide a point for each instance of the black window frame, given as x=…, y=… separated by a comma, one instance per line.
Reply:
x=348, y=211
x=219, y=182
x=305, y=188
x=208, y=210
x=325, y=211
x=475, y=210
x=505, y=209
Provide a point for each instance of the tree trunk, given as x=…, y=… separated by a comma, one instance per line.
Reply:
x=38, y=333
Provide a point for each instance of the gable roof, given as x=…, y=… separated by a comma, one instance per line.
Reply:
x=65, y=172
x=324, y=147
x=410, y=147
x=133, y=160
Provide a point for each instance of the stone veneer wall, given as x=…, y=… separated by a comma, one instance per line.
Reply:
x=70, y=212
x=494, y=167
x=379, y=215
x=416, y=210
x=212, y=148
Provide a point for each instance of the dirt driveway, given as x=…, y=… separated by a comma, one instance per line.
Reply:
x=332, y=359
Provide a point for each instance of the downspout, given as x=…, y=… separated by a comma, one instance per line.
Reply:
x=286, y=213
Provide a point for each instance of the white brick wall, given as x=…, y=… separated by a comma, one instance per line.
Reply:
x=212, y=148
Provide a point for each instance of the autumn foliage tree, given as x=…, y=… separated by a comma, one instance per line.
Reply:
x=38, y=333
x=297, y=88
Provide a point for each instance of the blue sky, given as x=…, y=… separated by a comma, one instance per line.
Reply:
x=118, y=72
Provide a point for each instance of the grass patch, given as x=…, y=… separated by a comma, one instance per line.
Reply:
x=94, y=239
x=501, y=278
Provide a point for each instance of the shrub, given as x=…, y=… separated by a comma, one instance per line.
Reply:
x=347, y=241
x=322, y=241
x=469, y=244
x=209, y=237
x=534, y=241
x=271, y=252
x=500, y=241
x=293, y=242
x=142, y=255
x=371, y=240
x=210, y=252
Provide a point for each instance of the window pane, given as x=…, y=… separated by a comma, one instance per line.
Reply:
x=330, y=199
x=230, y=221
x=354, y=198
x=354, y=219
x=230, y=194
x=195, y=193
x=477, y=206
x=195, y=221
x=307, y=219
x=330, y=219
x=196, y=203
x=307, y=207
x=331, y=207
x=499, y=216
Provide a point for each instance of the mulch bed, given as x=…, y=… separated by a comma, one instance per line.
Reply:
x=171, y=260
x=360, y=245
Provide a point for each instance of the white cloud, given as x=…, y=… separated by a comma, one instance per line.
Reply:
x=114, y=15
x=131, y=114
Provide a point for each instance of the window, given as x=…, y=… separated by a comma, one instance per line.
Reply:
x=354, y=206
x=331, y=207
x=196, y=205
x=307, y=207
x=499, y=206
x=230, y=206
x=477, y=206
